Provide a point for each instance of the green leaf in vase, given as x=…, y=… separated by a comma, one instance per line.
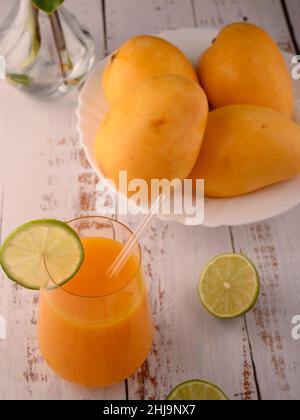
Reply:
x=20, y=79
x=48, y=6
x=32, y=25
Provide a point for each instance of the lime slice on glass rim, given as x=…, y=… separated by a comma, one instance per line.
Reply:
x=197, y=390
x=39, y=248
x=229, y=286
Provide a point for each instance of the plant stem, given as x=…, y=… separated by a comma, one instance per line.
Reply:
x=60, y=43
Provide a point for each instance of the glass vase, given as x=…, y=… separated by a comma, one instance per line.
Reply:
x=45, y=55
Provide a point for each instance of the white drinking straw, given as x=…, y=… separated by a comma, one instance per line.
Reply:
x=124, y=255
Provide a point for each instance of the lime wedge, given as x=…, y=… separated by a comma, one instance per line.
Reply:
x=229, y=286
x=197, y=390
x=36, y=245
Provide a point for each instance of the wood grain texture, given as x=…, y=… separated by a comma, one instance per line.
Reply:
x=188, y=340
x=44, y=173
x=293, y=10
x=135, y=17
x=161, y=370
x=272, y=246
x=266, y=13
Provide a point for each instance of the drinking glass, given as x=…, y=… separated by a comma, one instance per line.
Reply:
x=94, y=330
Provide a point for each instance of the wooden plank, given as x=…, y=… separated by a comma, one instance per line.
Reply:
x=293, y=11
x=188, y=340
x=189, y=343
x=134, y=17
x=179, y=352
x=45, y=174
x=272, y=245
x=267, y=13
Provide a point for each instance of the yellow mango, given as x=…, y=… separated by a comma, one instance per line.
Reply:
x=155, y=132
x=246, y=148
x=245, y=66
x=142, y=58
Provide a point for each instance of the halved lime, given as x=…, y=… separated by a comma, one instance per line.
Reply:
x=229, y=286
x=197, y=390
x=38, y=248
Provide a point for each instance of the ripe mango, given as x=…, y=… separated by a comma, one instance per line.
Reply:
x=245, y=66
x=142, y=58
x=155, y=132
x=246, y=148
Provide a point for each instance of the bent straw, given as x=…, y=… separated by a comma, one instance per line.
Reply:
x=124, y=255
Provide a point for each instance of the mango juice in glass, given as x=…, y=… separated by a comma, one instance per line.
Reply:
x=96, y=331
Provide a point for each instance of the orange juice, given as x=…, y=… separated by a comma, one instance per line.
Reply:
x=96, y=331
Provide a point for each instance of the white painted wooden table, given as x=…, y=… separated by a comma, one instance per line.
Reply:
x=43, y=173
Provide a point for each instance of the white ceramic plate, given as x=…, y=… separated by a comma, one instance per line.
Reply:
x=251, y=208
